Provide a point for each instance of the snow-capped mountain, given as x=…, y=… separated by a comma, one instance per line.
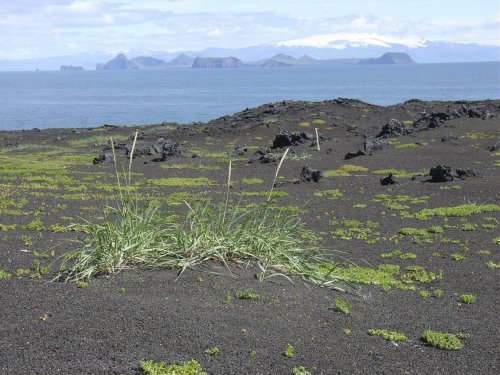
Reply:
x=354, y=40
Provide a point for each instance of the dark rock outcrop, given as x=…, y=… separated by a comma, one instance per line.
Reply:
x=374, y=144
x=285, y=138
x=394, y=128
x=103, y=158
x=171, y=149
x=352, y=155
x=388, y=180
x=466, y=172
x=309, y=174
x=441, y=173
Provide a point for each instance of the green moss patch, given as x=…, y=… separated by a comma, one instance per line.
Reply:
x=442, y=340
x=460, y=211
x=182, y=182
x=159, y=368
x=345, y=170
x=388, y=335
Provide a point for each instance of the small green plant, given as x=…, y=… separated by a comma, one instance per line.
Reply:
x=438, y=293
x=4, y=275
x=82, y=284
x=388, y=335
x=227, y=300
x=22, y=272
x=252, y=354
x=199, y=279
x=150, y=367
x=468, y=227
x=341, y=305
x=213, y=351
x=424, y=294
x=442, y=340
x=26, y=240
x=468, y=299
x=301, y=371
x=35, y=225
x=347, y=331
x=484, y=252
x=436, y=229
x=457, y=257
x=247, y=294
x=289, y=351
x=399, y=254
x=492, y=265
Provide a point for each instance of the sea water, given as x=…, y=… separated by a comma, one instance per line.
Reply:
x=93, y=98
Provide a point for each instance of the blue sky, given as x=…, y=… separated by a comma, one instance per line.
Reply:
x=42, y=28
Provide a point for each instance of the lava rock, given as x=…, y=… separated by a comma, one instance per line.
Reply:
x=388, y=180
x=374, y=144
x=309, y=174
x=103, y=158
x=285, y=138
x=394, y=128
x=466, y=172
x=352, y=155
x=441, y=173
x=171, y=149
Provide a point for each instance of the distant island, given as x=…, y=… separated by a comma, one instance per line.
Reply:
x=70, y=68
x=121, y=62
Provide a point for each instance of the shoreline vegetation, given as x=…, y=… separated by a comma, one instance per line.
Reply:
x=291, y=238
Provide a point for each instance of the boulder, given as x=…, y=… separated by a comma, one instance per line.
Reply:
x=374, y=144
x=441, y=173
x=103, y=158
x=171, y=149
x=394, y=128
x=466, y=172
x=388, y=180
x=309, y=174
x=285, y=138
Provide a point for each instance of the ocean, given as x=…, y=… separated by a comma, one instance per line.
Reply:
x=73, y=99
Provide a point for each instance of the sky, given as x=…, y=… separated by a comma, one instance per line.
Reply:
x=46, y=28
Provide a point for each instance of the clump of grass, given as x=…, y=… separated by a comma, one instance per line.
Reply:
x=135, y=234
x=442, y=340
x=247, y=294
x=438, y=293
x=468, y=299
x=341, y=305
x=388, y=335
x=150, y=367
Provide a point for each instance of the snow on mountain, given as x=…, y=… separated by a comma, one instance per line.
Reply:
x=355, y=40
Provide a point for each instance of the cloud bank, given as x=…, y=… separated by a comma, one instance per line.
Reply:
x=32, y=28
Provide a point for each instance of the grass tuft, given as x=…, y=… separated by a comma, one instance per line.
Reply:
x=150, y=367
